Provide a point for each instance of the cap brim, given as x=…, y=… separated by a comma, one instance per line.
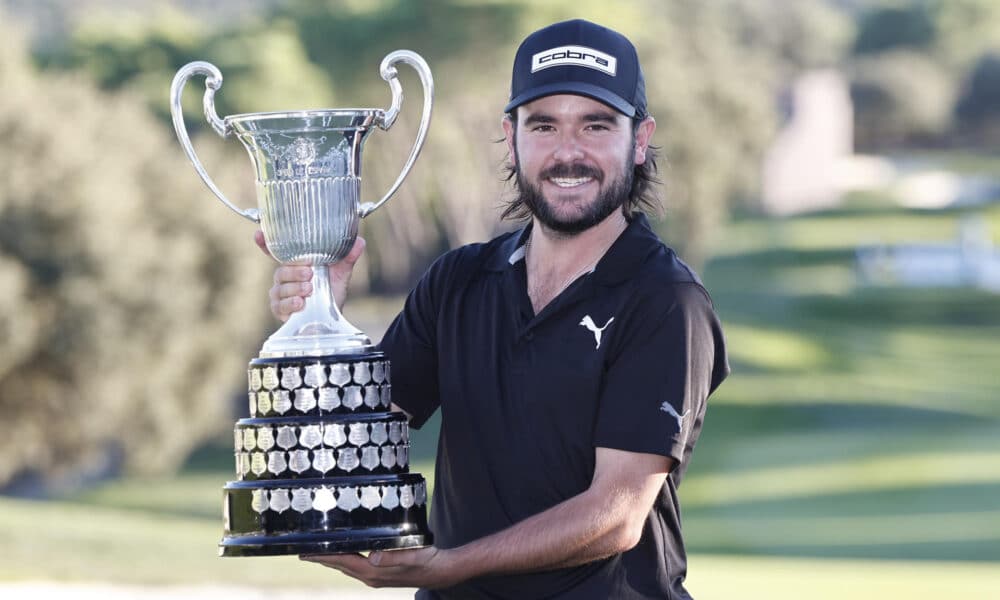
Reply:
x=573, y=87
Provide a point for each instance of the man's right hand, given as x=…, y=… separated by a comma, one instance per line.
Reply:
x=292, y=281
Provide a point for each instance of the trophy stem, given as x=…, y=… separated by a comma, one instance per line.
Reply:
x=319, y=329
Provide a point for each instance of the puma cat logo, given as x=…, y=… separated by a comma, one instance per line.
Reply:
x=597, y=331
x=667, y=408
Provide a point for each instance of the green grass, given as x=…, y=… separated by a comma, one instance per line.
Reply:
x=855, y=451
x=719, y=577
x=860, y=422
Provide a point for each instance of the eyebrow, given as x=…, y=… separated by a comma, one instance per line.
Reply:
x=594, y=117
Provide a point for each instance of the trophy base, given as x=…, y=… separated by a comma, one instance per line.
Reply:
x=323, y=462
x=332, y=543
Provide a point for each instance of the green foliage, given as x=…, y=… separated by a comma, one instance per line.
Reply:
x=979, y=106
x=264, y=65
x=895, y=26
x=911, y=61
x=900, y=97
x=712, y=70
x=966, y=30
x=129, y=305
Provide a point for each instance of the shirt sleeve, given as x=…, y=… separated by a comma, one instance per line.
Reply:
x=410, y=343
x=660, y=376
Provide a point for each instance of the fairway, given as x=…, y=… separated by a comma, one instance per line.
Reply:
x=860, y=422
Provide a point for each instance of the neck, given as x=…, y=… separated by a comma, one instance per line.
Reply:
x=562, y=251
x=554, y=260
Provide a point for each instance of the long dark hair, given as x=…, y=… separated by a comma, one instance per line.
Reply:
x=642, y=196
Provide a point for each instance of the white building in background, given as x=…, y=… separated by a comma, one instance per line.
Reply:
x=811, y=164
x=802, y=169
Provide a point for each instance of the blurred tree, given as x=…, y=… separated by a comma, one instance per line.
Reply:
x=908, y=59
x=966, y=30
x=978, y=109
x=712, y=69
x=900, y=97
x=895, y=26
x=130, y=307
x=263, y=65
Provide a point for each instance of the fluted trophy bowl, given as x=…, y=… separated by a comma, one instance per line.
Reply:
x=308, y=181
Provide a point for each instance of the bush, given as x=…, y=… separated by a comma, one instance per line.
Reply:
x=130, y=305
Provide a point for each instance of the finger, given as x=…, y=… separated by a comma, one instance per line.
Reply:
x=258, y=237
x=283, y=309
x=341, y=271
x=401, y=558
x=280, y=291
x=292, y=273
x=347, y=562
x=356, y=250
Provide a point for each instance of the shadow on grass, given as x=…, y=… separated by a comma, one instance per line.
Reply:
x=960, y=550
x=940, y=522
x=729, y=420
x=906, y=500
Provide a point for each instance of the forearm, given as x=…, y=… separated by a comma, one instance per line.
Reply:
x=602, y=521
x=582, y=529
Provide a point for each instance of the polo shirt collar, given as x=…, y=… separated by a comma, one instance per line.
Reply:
x=619, y=264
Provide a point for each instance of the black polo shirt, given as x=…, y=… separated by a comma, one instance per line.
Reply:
x=624, y=358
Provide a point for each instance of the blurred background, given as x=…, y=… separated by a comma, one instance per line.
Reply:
x=832, y=169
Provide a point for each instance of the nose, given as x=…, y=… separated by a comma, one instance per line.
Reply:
x=568, y=148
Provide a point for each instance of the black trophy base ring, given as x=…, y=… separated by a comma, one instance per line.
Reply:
x=325, y=516
x=322, y=543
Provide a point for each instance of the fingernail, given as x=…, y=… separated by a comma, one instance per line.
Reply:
x=307, y=287
x=375, y=558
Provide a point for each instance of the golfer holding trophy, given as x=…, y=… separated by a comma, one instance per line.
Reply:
x=322, y=462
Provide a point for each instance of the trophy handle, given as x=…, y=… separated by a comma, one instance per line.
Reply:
x=388, y=72
x=213, y=81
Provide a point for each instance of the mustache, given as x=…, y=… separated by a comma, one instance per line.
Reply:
x=575, y=170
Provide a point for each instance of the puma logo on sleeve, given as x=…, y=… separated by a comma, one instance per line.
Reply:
x=670, y=410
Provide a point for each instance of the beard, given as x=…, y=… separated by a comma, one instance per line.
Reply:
x=609, y=198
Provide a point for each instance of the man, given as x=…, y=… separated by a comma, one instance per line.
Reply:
x=571, y=360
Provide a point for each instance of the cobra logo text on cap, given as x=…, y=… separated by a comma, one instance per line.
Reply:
x=577, y=56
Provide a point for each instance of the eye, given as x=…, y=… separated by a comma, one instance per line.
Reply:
x=597, y=127
x=542, y=128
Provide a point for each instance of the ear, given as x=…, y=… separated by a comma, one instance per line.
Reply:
x=508, y=132
x=643, y=136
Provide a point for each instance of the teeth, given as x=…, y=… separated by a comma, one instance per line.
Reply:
x=567, y=182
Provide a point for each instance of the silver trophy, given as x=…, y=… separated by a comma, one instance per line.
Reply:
x=322, y=462
x=308, y=167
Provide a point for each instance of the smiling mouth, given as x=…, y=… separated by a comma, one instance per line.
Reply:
x=570, y=182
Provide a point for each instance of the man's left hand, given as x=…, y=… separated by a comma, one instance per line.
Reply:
x=427, y=567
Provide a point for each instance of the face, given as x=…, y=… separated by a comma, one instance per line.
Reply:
x=574, y=158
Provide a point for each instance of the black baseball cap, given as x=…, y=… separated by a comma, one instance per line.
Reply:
x=579, y=57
